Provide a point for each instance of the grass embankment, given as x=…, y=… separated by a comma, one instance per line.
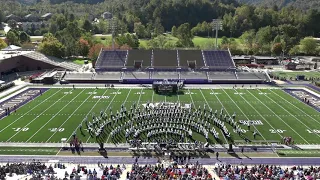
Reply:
x=28, y=151
x=299, y=153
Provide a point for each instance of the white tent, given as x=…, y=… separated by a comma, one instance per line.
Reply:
x=11, y=48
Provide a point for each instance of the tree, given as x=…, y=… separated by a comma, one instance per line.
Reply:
x=128, y=39
x=158, y=42
x=158, y=28
x=248, y=40
x=174, y=31
x=12, y=24
x=295, y=50
x=140, y=30
x=308, y=45
x=95, y=51
x=12, y=38
x=87, y=26
x=264, y=38
x=184, y=35
x=224, y=41
x=24, y=37
x=277, y=49
x=51, y=46
x=3, y=44
x=84, y=47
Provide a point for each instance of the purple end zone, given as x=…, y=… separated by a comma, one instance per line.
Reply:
x=289, y=91
x=24, y=102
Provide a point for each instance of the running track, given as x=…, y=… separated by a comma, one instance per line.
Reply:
x=143, y=160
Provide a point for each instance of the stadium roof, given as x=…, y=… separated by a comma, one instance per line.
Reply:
x=11, y=48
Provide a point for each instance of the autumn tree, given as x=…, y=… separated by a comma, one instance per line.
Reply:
x=94, y=51
x=84, y=47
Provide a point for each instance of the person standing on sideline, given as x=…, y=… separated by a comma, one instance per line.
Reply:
x=217, y=155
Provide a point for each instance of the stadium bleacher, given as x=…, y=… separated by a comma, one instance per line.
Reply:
x=251, y=75
x=193, y=75
x=136, y=57
x=76, y=75
x=111, y=59
x=218, y=59
x=165, y=59
x=136, y=75
x=108, y=75
x=227, y=75
x=188, y=57
x=164, y=75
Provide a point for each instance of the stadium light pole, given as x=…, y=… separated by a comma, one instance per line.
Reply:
x=217, y=25
x=113, y=26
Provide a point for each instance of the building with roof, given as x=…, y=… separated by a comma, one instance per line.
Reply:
x=13, y=17
x=31, y=18
x=46, y=16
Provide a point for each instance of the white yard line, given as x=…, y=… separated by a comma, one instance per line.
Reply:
x=71, y=116
x=277, y=116
x=152, y=97
x=259, y=112
x=296, y=106
x=137, y=106
x=35, y=118
x=243, y=112
x=29, y=110
x=54, y=115
x=210, y=107
x=292, y=116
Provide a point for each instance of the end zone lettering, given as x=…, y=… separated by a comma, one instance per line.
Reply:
x=251, y=122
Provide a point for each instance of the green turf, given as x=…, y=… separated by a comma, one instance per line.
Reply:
x=294, y=74
x=298, y=153
x=28, y=151
x=79, y=61
x=56, y=114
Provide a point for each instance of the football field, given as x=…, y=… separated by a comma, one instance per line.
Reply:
x=58, y=112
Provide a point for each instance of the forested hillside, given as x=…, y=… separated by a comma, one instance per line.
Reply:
x=301, y=4
x=260, y=30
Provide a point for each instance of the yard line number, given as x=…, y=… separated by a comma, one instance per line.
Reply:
x=139, y=93
x=214, y=93
x=274, y=131
x=239, y=93
x=92, y=93
x=21, y=129
x=100, y=97
x=311, y=131
x=115, y=93
x=190, y=93
x=68, y=92
x=56, y=129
